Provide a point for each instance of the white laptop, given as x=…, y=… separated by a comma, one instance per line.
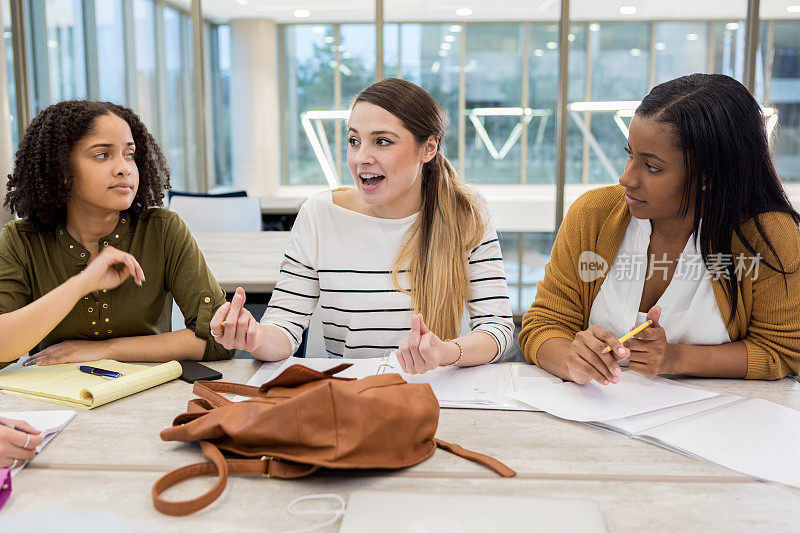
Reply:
x=417, y=512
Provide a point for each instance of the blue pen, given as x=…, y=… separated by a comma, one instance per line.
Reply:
x=99, y=372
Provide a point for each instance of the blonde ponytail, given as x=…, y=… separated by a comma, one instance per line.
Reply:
x=435, y=254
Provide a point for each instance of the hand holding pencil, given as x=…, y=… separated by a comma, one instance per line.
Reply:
x=595, y=352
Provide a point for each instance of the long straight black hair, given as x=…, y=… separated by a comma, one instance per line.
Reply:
x=722, y=132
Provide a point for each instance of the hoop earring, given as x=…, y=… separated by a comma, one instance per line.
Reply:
x=703, y=188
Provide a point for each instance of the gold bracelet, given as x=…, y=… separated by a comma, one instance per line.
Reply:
x=460, y=353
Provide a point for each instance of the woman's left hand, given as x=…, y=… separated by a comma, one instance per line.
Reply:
x=422, y=350
x=649, y=349
x=69, y=352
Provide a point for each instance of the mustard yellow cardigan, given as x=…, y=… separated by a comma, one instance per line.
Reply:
x=768, y=311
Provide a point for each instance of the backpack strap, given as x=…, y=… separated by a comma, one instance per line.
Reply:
x=212, y=391
x=266, y=467
x=485, y=460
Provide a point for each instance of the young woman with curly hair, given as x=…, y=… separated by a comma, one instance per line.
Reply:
x=86, y=272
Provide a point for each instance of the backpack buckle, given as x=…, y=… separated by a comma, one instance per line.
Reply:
x=266, y=459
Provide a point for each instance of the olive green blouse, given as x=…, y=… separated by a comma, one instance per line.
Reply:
x=34, y=262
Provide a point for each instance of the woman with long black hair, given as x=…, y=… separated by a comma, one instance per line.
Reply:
x=699, y=237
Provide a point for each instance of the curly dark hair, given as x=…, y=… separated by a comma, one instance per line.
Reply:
x=41, y=181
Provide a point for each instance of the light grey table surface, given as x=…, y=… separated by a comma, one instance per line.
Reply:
x=249, y=260
x=106, y=460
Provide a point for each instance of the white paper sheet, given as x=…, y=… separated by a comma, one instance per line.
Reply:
x=592, y=402
x=753, y=436
x=48, y=422
x=479, y=387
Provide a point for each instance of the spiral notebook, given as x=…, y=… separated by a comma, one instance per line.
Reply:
x=66, y=385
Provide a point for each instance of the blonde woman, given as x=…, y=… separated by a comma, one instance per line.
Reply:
x=393, y=262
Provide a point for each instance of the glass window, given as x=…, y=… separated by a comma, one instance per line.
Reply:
x=174, y=140
x=783, y=94
x=422, y=61
x=221, y=82
x=9, y=58
x=111, y=51
x=356, y=72
x=493, y=70
x=310, y=60
x=681, y=48
x=65, y=51
x=146, y=80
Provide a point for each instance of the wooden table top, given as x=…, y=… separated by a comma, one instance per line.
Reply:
x=106, y=460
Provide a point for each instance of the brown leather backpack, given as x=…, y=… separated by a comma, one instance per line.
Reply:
x=303, y=420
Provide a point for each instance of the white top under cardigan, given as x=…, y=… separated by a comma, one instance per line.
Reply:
x=343, y=260
x=689, y=310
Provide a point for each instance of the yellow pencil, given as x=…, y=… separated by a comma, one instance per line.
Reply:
x=629, y=335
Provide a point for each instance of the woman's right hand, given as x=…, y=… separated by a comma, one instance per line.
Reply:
x=17, y=444
x=587, y=358
x=109, y=269
x=234, y=327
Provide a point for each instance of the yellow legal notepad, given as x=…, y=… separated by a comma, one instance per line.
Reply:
x=66, y=385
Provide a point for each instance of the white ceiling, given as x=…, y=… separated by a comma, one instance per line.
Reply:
x=282, y=11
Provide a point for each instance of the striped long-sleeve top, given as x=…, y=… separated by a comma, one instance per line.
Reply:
x=341, y=260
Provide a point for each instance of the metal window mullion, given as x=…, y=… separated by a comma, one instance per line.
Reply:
x=199, y=100
x=587, y=95
x=36, y=50
x=561, y=113
x=90, y=50
x=129, y=33
x=651, y=67
x=378, y=40
x=712, y=45
x=462, y=103
x=751, y=45
x=524, y=101
x=769, y=58
x=21, y=79
x=188, y=127
x=399, y=51
x=283, y=99
x=161, y=75
x=337, y=96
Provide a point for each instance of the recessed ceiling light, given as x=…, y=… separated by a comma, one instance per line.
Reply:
x=329, y=39
x=455, y=28
x=628, y=10
x=692, y=36
x=732, y=26
x=319, y=29
x=449, y=38
x=571, y=37
x=464, y=11
x=446, y=46
x=442, y=53
x=302, y=13
x=635, y=52
x=660, y=46
x=793, y=9
x=552, y=45
x=538, y=52
x=435, y=67
x=594, y=27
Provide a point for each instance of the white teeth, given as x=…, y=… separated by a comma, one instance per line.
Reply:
x=368, y=176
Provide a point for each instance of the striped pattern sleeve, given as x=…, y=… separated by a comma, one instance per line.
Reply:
x=488, y=305
x=297, y=290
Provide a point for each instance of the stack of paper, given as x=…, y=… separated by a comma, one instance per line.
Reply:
x=752, y=436
x=49, y=423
